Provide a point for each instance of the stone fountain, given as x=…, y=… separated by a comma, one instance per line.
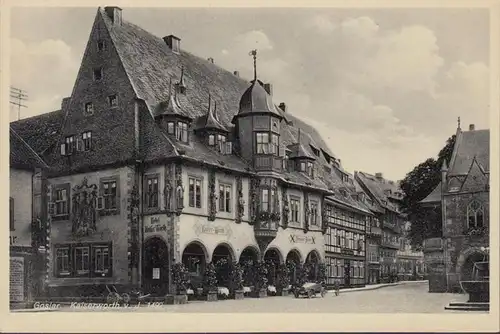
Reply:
x=478, y=288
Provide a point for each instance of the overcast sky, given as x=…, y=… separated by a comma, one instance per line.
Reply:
x=384, y=87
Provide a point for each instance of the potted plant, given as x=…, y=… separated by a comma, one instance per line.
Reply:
x=283, y=280
x=260, y=279
x=236, y=280
x=210, y=283
x=180, y=280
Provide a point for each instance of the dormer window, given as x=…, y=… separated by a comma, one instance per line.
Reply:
x=221, y=140
x=310, y=169
x=170, y=128
x=211, y=140
x=302, y=167
x=181, y=132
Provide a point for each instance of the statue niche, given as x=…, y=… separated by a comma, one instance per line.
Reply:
x=84, y=213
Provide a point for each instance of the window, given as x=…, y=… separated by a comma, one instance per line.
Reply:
x=182, y=132
x=89, y=108
x=475, y=214
x=262, y=140
x=294, y=210
x=11, y=213
x=264, y=204
x=211, y=140
x=102, y=260
x=70, y=144
x=82, y=259
x=61, y=202
x=302, y=167
x=97, y=73
x=62, y=262
x=224, y=197
x=274, y=144
x=285, y=162
x=221, y=140
x=194, y=192
x=100, y=45
x=87, y=140
x=152, y=192
x=314, y=213
x=110, y=194
x=113, y=101
x=170, y=128
x=310, y=169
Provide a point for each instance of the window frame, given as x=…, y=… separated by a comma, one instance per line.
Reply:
x=106, y=180
x=88, y=111
x=111, y=98
x=97, y=70
x=195, y=193
x=99, y=43
x=64, y=215
x=227, y=203
x=71, y=250
x=70, y=144
x=87, y=141
x=181, y=131
x=262, y=142
x=295, y=200
x=314, y=214
x=149, y=195
x=475, y=214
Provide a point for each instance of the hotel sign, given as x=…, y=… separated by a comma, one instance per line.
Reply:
x=155, y=225
x=302, y=239
x=212, y=229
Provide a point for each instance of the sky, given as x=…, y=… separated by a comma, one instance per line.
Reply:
x=383, y=86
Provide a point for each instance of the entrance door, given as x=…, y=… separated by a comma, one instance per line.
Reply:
x=347, y=273
x=155, y=269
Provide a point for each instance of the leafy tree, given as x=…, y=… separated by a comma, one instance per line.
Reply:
x=420, y=182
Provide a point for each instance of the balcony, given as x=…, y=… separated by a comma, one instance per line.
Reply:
x=266, y=228
x=268, y=163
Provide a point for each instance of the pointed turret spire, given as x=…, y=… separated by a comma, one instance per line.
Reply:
x=210, y=121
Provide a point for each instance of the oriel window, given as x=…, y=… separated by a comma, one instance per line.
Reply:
x=152, y=192
x=182, y=132
x=262, y=141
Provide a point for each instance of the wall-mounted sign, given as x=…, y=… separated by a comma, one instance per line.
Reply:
x=302, y=239
x=16, y=279
x=213, y=229
x=155, y=225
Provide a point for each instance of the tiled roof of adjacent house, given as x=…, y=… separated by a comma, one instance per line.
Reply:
x=377, y=186
x=434, y=196
x=22, y=155
x=40, y=132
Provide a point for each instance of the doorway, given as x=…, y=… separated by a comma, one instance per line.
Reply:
x=347, y=273
x=155, y=270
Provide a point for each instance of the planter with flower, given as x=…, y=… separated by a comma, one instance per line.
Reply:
x=260, y=280
x=283, y=280
x=236, y=281
x=210, y=283
x=180, y=279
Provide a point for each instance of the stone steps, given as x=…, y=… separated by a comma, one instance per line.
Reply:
x=468, y=306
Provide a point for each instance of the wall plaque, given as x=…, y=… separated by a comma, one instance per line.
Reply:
x=155, y=225
x=302, y=239
x=16, y=279
x=212, y=229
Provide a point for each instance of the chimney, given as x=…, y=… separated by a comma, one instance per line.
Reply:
x=472, y=127
x=236, y=73
x=379, y=176
x=115, y=14
x=211, y=60
x=269, y=88
x=283, y=106
x=173, y=42
x=65, y=102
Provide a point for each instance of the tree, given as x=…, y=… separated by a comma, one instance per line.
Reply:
x=420, y=182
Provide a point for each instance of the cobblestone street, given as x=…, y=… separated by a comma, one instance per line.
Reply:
x=411, y=297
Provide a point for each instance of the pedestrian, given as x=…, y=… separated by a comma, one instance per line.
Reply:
x=336, y=287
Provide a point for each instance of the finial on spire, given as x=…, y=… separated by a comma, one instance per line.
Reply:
x=299, y=136
x=209, y=101
x=458, y=122
x=170, y=86
x=254, y=54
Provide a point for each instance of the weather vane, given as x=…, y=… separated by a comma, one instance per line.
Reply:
x=254, y=54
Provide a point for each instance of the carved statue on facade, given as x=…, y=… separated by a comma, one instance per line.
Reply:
x=307, y=212
x=84, y=200
x=168, y=190
x=179, y=190
x=212, y=196
x=286, y=207
x=241, y=202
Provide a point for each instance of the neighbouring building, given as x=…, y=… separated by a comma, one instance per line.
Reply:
x=410, y=261
x=388, y=196
x=159, y=156
x=463, y=196
x=26, y=202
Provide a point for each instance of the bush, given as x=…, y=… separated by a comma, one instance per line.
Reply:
x=283, y=277
x=210, y=279
x=260, y=275
x=235, y=277
x=180, y=278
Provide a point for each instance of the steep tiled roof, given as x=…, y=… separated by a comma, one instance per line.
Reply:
x=256, y=100
x=470, y=144
x=434, y=196
x=22, y=155
x=40, y=132
x=377, y=186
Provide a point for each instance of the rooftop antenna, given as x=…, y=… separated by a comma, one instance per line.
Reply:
x=18, y=96
x=254, y=54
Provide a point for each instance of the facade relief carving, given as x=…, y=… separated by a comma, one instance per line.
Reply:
x=84, y=210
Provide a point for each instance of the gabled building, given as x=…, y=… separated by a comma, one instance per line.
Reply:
x=164, y=157
x=463, y=195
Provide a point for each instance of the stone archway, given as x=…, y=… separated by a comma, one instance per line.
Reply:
x=194, y=258
x=312, y=264
x=222, y=257
x=294, y=263
x=272, y=258
x=247, y=258
x=155, y=269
